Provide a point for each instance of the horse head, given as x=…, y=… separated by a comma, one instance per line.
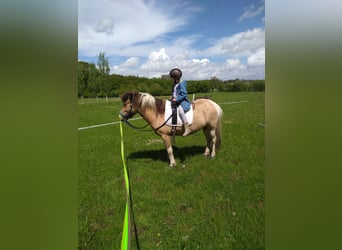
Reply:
x=129, y=109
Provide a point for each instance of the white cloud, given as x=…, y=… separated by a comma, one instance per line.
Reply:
x=247, y=45
x=131, y=62
x=195, y=68
x=135, y=34
x=234, y=64
x=158, y=63
x=135, y=22
x=257, y=59
x=200, y=61
x=159, y=55
x=105, y=25
x=126, y=68
x=240, y=44
x=251, y=11
x=244, y=43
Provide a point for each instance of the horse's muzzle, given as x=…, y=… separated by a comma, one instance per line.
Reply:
x=125, y=117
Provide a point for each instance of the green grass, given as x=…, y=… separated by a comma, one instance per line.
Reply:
x=199, y=204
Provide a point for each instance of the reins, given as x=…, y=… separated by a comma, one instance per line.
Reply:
x=135, y=127
x=142, y=128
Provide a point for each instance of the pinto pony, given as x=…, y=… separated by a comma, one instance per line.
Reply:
x=207, y=116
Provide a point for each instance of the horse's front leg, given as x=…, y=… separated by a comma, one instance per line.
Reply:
x=168, y=146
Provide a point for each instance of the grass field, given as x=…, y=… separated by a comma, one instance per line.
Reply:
x=199, y=204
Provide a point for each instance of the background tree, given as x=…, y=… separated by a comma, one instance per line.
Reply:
x=87, y=79
x=95, y=81
x=103, y=67
x=83, y=78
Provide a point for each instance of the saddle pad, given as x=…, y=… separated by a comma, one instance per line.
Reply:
x=168, y=112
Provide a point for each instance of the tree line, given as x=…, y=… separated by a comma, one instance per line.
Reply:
x=95, y=81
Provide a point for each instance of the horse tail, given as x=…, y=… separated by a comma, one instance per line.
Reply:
x=218, y=127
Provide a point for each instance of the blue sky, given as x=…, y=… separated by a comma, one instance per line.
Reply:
x=221, y=38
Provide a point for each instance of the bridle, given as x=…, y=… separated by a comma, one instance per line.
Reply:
x=130, y=113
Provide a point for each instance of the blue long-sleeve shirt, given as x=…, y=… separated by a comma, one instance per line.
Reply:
x=179, y=92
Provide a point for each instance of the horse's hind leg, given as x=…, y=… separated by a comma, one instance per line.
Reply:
x=213, y=142
x=206, y=132
x=210, y=134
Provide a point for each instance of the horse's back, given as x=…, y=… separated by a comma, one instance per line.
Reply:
x=208, y=106
x=206, y=113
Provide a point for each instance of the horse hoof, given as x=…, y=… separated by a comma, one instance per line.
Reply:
x=210, y=157
x=172, y=165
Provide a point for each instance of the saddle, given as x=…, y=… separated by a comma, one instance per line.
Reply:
x=168, y=112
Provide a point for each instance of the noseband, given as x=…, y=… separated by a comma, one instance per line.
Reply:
x=130, y=113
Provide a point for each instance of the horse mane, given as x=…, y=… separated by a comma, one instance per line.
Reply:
x=126, y=96
x=149, y=101
x=145, y=100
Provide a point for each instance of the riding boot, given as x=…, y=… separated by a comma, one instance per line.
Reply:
x=187, y=130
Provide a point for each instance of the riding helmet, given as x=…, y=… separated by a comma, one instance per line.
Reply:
x=175, y=73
